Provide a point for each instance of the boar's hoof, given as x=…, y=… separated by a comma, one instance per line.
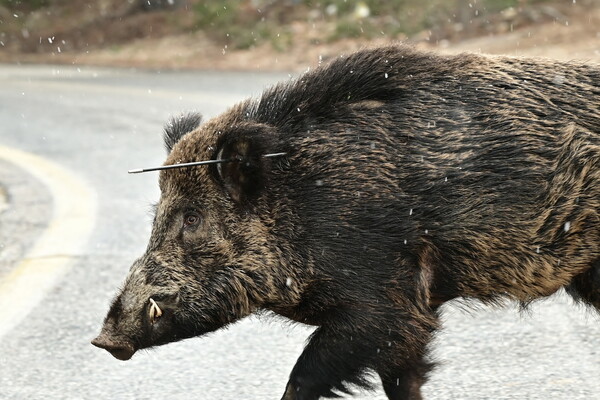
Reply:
x=121, y=351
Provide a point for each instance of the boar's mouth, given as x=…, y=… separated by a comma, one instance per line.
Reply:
x=119, y=350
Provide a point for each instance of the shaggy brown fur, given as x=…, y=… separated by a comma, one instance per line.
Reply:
x=410, y=179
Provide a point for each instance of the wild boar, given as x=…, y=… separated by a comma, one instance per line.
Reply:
x=409, y=179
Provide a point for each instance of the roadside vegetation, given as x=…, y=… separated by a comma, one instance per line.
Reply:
x=247, y=23
x=187, y=33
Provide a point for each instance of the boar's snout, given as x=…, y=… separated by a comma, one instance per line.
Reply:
x=119, y=350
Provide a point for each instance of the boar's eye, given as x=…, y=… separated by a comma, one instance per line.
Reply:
x=154, y=312
x=190, y=220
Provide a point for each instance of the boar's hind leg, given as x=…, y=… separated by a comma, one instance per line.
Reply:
x=585, y=287
x=338, y=356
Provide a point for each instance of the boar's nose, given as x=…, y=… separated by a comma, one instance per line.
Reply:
x=121, y=351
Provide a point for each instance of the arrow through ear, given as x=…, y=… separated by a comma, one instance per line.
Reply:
x=246, y=178
x=193, y=164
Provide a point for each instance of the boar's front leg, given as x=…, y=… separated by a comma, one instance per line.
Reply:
x=338, y=355
x=405, y=383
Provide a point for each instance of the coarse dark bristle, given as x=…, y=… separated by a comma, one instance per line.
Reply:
x=179, y=126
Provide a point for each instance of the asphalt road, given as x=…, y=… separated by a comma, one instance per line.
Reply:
x=97, y=124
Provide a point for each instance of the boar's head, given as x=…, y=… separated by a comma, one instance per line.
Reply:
x=212, y=255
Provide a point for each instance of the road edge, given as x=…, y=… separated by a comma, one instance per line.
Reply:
x=68, y=232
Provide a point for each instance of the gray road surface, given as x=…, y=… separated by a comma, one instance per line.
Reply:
x=98, y=123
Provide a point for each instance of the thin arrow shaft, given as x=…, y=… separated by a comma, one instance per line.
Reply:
x=193, y=164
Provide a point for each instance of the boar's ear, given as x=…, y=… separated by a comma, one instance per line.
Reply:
x=247, y=174
x=179, y=126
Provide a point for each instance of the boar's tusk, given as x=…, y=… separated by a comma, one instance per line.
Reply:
x=155, y=311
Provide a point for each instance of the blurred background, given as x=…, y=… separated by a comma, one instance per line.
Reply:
x=285, y=34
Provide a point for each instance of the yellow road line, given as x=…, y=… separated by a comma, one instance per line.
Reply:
x=73, y=216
